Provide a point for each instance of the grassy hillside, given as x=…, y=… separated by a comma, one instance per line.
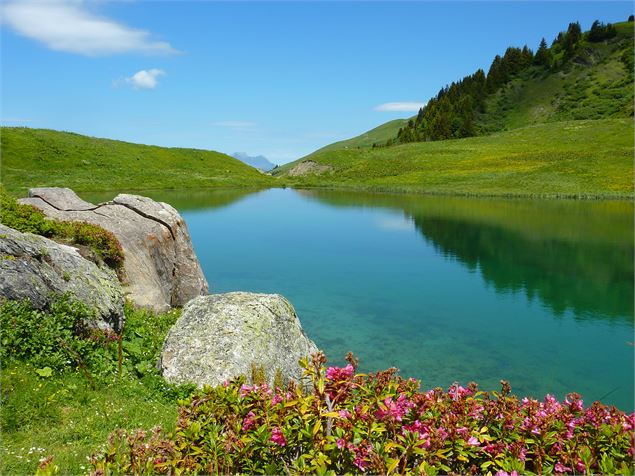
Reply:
x=574, y=158
x=597, y=83
x=40, y=157
x=378, y=135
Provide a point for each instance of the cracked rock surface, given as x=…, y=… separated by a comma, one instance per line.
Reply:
x=160, y=268
x=220, y=336
x=35, y=268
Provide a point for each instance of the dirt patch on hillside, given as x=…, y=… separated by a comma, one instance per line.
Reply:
x=308, y=167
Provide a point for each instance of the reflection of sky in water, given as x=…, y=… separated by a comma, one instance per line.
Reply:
x=540, y=294
x=395, y=223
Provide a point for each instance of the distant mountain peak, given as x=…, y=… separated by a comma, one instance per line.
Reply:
x=256, y=161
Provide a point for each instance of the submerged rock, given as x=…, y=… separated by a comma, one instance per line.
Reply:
x=35, y=268
x=160, y=269
x=221, y=336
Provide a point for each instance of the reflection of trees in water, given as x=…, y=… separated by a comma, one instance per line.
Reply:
x=570, y=254
x=587, y=278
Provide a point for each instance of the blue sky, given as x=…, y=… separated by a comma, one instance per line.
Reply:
x=277, y=79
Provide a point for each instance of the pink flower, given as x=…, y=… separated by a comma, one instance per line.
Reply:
x=473, y=441
x=345, y=414
x=561, y=468
x=579, y=466
x=275, y=400
x=225, y=383
x=245, y=390
x=277, y=437
x=337, y=374
x=340, y=443
x=360, y=463
x=505, y=473
x=249, y=421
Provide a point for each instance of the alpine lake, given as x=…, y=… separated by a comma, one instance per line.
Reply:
x=446, y=289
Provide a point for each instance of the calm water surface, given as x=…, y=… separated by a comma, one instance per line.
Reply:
x=446, y=289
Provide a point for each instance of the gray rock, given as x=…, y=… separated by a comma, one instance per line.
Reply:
x=160, y=269
x=35, y=268
x=220, y=336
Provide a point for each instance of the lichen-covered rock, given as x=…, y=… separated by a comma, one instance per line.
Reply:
x=35, y=268
x=221, y=336
x=160, y=268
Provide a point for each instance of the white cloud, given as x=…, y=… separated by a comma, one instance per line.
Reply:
x=400, y=106
x=145, y=79
x=64, y=25
x=233, y=124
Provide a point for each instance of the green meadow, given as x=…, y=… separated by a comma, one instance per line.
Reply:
x=46, y=158
x=582, y=159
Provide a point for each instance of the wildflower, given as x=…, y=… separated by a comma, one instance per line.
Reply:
x=249, y=421
x=340, y=443
x=277, y=437
x=561, y=468
x=245, y=390
x=345, y=414
x=473, y=441
x=337, y=374
x=275, y=400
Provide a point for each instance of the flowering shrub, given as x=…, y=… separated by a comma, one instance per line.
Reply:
x=377, y=423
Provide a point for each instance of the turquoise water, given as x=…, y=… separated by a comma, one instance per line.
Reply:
x=539, y=293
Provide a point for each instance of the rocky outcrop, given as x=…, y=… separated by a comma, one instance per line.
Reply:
x=160, y=269
x=35, y=268
x=309, y=167
x=220, y=336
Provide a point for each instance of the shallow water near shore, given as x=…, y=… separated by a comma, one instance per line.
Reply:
x=537, y=292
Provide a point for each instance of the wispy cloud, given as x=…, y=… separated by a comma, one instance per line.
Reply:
x=145, y=79
x=236, y=125
x=64, y=25
x=400, y=106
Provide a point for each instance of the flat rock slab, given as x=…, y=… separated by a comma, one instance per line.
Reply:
x=160, y=268
x=35, y=268
x=220, y=336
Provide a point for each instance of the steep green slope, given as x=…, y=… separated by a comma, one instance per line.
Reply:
x=378, y=135
x=574, y=158
x=597, y=83
x=40, y=157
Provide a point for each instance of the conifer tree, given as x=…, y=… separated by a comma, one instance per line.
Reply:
x=543, y=55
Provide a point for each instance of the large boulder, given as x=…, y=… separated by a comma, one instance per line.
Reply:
x=221, y=336
x=35, y=268
x=160, y=269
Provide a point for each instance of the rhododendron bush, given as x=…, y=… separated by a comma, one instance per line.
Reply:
x=377, y=423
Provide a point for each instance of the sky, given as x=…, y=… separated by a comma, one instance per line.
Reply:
x=275, y=79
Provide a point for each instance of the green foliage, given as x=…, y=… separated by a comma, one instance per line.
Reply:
x=24, y=218
x=599, y=31
x=377, y=424
x=40, y=157
x=28, y=219
x=57, y=339
x=63, y=390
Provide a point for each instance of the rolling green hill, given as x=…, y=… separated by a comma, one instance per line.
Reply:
x=591, y=158
x=40, y=157
x=377, y=135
